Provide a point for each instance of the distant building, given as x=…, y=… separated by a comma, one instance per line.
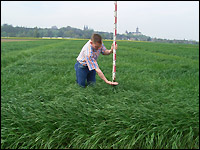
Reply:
x=85, y=27
x=54, y=27
x=137, y=32
x=134, y=33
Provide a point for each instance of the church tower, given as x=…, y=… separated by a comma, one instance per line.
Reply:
x=137, y=30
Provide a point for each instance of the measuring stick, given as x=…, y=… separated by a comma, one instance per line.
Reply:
x=114, y=43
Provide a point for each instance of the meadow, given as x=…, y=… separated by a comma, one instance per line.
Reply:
x=155, y=105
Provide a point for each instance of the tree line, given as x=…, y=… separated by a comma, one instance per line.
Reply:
x=64, y=32
x=70, y=32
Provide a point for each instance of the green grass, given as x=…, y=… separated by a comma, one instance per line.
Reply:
x=155, y=105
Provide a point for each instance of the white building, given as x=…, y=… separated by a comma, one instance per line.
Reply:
x=134, y=33
x=137, y=32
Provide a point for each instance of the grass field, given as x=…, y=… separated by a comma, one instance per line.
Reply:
x=155, y=105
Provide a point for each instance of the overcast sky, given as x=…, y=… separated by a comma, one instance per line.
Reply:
x=160, y=19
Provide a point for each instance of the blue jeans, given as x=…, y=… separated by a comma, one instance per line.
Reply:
x=83, y=74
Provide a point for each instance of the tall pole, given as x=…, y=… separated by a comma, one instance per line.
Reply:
x=114, y=43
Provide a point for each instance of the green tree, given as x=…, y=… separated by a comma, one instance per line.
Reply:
x=36, y=33
x=3, y=34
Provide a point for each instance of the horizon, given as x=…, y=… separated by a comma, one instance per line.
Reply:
x=94, y=31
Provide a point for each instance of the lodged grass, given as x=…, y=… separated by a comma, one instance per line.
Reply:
x=155, y=105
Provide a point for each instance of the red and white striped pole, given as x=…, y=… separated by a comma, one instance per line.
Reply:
x=114, y=43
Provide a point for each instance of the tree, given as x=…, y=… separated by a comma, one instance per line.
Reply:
x=36, y=33
x=3, y=34
x=149, y=39
x=49, y=33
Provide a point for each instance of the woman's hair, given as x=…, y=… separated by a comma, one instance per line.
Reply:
x=96, y=38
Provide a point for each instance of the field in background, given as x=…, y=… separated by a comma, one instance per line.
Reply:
x=155, y=105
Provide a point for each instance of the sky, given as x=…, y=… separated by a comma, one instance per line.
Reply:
x=160, y=19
